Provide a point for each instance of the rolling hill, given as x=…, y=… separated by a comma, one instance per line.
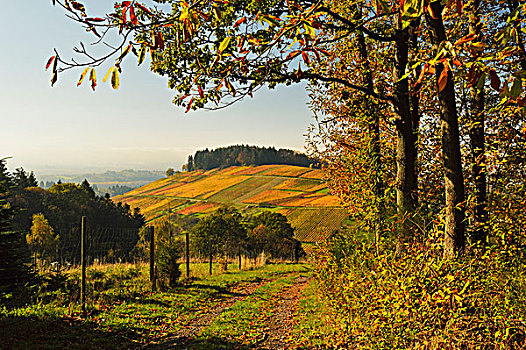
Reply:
x=297, y=192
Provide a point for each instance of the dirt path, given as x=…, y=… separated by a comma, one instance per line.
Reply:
x=279, y=326
x=184, y=337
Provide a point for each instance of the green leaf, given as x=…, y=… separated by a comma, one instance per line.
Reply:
x=516, y=88
x=142, y=53
x=481, y=81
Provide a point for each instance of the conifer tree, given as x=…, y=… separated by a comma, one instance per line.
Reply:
x=14, y=255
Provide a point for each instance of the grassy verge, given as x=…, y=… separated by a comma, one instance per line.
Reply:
x=244, y=322
x=311, y=329
x=122, y=311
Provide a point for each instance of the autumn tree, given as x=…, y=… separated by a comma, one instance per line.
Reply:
x=207, y=237
x=215, y=53
x=272, y=233
x=42, y=240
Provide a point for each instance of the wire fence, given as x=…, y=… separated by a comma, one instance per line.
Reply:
x=103, y=245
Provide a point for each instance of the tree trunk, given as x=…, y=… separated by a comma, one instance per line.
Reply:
x=477, y=137
x=454, y=232
x=373, y=125
x=415, y=117
x=406, y=152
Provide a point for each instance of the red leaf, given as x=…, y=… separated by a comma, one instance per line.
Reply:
x=220, y=85
x=495, y=80
x=201, y=94
x=82, y=76
x=292, y=54
x=189, y=105
x=159, y=41
x=432, y=69
x=123, y=17
x=78, y=6
x=239, y=21
x=442, y=79
x=460, y=7
x=126, y=3
x=133, y=18
x=204, y=15
x=49, y=62
x=465, y=39
x=305, y=57
x=144, y=9
x=471, y=73
x=95, y=19
x=422, y=73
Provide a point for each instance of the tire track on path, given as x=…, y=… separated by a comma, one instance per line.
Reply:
x=280, y=324
x=183, y=338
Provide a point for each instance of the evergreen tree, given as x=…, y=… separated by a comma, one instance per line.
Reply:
x=14, y=255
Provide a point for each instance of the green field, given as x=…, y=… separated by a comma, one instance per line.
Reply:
x=299, y=193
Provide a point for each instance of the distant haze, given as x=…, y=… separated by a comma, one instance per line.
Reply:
x=68, y=130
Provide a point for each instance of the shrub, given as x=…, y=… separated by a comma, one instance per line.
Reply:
x=167, y=257
x=421, y=301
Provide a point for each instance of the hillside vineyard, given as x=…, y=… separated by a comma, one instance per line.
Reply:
x=299, y=193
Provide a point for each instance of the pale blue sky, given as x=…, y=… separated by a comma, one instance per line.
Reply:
x=65, y=128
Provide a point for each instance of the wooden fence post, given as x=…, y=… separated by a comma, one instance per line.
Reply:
x=210, y=252
x=239, y=255
x=187, y=253
x=152, y=257
x=83, y=265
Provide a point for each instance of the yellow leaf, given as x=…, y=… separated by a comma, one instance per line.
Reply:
x=224, y=44
x=82, y=76
x=107, y=74
x=115, y=78
x=142, y=53
x=310, y=29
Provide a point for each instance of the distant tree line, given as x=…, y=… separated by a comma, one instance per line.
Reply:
x=116, y=190
x=245, y=155
x=111, y=191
